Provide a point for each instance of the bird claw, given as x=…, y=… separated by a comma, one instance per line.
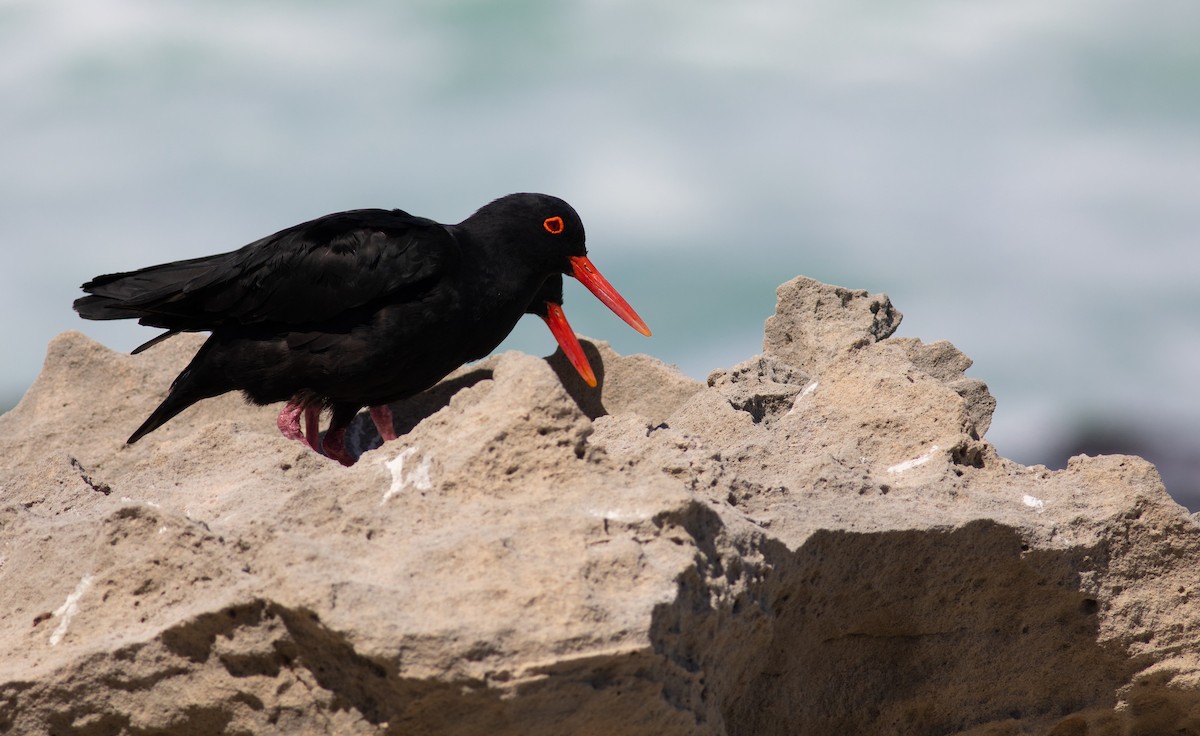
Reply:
x=289, y=421
x=335, y=446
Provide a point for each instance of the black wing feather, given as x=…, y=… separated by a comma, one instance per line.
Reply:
x=305, y=274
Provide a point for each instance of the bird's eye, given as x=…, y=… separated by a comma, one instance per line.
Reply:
x=553, y=225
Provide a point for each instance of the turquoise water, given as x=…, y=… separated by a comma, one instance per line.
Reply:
x=1022, y=178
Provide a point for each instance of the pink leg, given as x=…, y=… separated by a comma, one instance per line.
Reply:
x=289, y=421
x=312, y=426
x=335, y=445
x=382, y=416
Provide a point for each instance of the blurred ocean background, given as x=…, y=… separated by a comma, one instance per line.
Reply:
x=1021, y=177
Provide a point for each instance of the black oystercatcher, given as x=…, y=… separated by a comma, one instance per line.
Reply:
x=358, y=308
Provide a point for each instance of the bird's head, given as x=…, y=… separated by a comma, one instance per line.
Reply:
x=545, y=234
x=548, y=234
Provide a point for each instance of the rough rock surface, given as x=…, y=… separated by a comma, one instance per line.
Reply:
x=819, y=541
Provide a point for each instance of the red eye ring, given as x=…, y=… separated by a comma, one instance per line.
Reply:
x=553, y=225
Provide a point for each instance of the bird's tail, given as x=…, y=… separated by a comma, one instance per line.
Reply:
x=195, y=383
x=148, y=293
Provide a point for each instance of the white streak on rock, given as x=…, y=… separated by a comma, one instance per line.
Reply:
x=621, y=515
x=418, y=478
x=806, y=392
x=1036, y=504
x=68, y=609
x=916, y=461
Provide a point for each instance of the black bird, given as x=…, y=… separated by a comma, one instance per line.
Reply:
x=358, y=308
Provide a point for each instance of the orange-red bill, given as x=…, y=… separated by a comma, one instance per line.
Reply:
x=557, y=322
x=604, y=291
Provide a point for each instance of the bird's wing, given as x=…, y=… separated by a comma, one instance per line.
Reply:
x=305, y=274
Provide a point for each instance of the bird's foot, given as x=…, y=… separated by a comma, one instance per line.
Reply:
x=382, y=416
x=289, y=421
x=335, y=446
